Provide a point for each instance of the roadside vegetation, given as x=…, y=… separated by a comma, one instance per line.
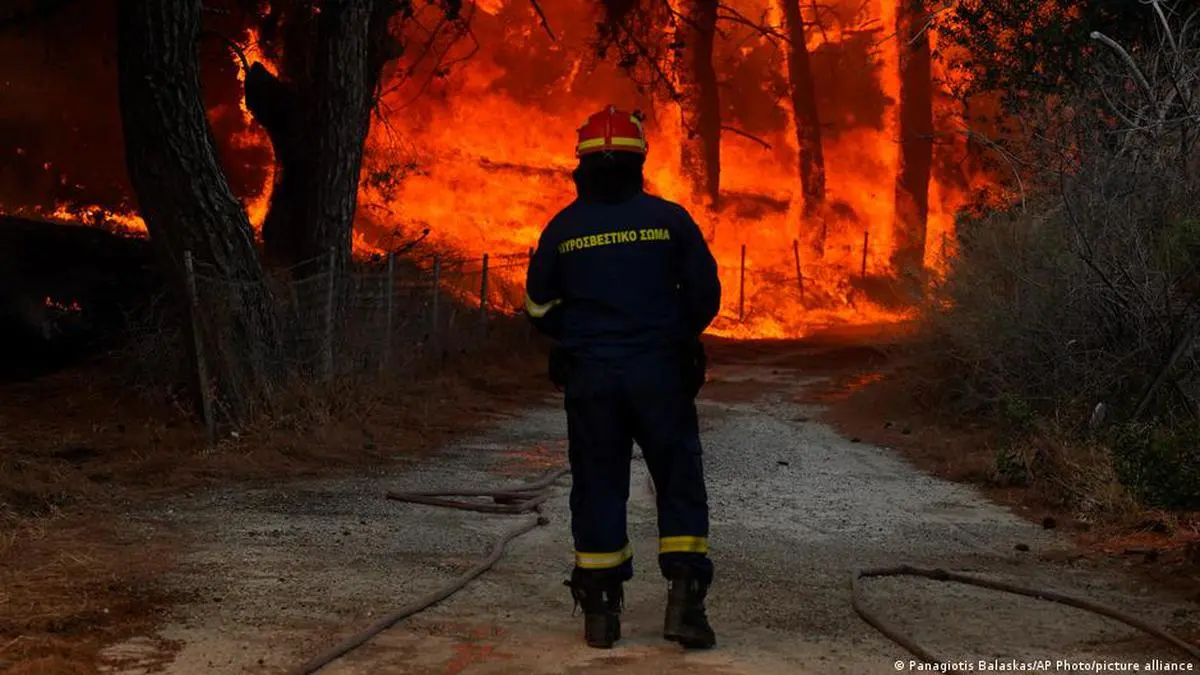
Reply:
x=1063, y=328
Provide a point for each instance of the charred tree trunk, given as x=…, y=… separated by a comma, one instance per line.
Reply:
x=808, y=123
x=184, y=196
x=700, y=103
x=916, y=137
x=317, y=114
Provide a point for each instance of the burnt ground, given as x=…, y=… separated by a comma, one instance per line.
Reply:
x=273, y=572
x=82, y=449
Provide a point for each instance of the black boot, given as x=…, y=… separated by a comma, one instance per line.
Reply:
x=601, y=602
x=687, y=621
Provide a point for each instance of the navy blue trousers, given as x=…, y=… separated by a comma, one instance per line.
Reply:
x=610, y=405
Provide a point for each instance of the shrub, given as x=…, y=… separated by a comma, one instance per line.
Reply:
x=1086, y=291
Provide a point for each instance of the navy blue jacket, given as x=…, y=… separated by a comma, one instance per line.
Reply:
x=611, y=280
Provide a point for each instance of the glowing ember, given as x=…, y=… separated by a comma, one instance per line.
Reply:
x=73, y=306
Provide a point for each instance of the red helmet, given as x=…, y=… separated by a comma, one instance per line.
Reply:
x=612, y=130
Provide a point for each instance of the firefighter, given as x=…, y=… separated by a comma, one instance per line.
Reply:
x=626, y=284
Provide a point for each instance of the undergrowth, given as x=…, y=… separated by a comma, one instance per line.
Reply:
x=1067, y=319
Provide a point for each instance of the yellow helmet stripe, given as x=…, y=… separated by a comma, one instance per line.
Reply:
x=598, y=143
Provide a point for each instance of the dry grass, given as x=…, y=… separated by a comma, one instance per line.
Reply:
x=79, y=449
x=73, y=583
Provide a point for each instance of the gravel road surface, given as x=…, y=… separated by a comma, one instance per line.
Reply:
x=281, y=572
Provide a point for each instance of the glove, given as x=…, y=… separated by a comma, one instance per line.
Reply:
x=695, y=367
x=560, y=366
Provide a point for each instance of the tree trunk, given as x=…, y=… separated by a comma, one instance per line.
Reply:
x=916, y=137
x=700, y=103
x=183, y=194
x=317, y=115
x=808, y=124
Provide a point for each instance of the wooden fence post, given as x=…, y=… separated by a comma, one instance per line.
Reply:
x=742, y=288
x=434, y=321
x=206, y=408
x=483, y=291
x=391, y=294
x=866, y=241
x=529, y=324
x=799, y=274
x=330, y=287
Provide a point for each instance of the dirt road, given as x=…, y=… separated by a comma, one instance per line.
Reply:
x=280, y=572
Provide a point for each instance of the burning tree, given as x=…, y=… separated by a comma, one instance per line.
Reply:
x=317, y=113
x=804, y=110
x=182, y=191
x=681, y=68
x=916, y=136
x=699, y=100
x=786, y=112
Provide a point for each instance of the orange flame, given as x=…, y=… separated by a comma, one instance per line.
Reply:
x=490, y=160
x=481, y=156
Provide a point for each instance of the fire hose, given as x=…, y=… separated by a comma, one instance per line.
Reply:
x=943, y=575
x=522, y=499
x=531, y=496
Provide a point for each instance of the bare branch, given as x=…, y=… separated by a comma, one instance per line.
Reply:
x=746, y=134
x=763, y=29
x=1133, y=67
x=1007, y=156
x=645, y=53
x=542, y=16
x=409, y=245
x=234, y=47
x=441, y=67
x=1165, y=26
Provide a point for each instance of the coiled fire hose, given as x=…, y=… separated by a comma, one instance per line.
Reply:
x=531, y=496
x=522, y=499
x=943, y=575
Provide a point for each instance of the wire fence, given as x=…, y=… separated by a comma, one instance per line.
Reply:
x=391, y=314
x=776, y=286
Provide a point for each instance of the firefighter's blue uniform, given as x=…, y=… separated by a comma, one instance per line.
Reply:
x=626, y=288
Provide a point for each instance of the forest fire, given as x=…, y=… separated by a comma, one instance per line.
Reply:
x=494, y=147
x=478, y=149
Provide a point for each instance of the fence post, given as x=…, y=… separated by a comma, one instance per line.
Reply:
x=210, y=429
x=327, y=365
x=529, y=324
x=742, y=288
x=391, y=294
x=799, y=274
x=483, y=290
x=434, y=319
x=866, y=241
